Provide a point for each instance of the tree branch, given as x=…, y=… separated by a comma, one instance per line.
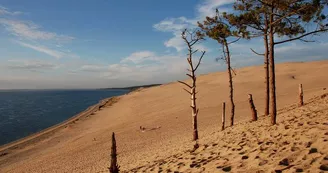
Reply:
x=200, y=59
x=235, y=40
x=185, y=84
x=194, y=42
x=287, y=15
x=297, y=38
x=233, y=71
x=307, y=41
x=260, y=54
x=190, y=76
x=187, y=91
x=194, y=51
x=265, y=3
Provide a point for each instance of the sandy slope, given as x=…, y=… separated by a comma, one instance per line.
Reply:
x=298, y=143
x=84, y=146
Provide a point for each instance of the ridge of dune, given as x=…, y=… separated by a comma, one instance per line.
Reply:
x=84, y=146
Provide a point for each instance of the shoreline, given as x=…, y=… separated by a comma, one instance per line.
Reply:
x=45, y=133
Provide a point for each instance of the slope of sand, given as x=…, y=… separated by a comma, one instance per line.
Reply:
x=84, y=146
x=298, y=143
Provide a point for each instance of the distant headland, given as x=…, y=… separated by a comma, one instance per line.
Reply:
x=132, y=88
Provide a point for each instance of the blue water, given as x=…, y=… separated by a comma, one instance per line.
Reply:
x=25, y=112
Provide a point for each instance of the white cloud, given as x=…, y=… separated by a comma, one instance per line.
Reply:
x=176, y=25
x=142, y=56
x=175, y=42
x=201, y=47
x=207, y=8
x=33, y=36
x=160, y=68
x=142, y=73
x=48, y=51
x=6, y=11
x=178, y=43
x=163, y=68
x=31, y=65
x=139, y=57
x=93, y=68
x=29, y=30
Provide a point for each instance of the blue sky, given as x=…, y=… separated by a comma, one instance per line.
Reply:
x=107, y=43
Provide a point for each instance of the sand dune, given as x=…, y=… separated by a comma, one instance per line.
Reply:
x=84, y=145
x=298, y=143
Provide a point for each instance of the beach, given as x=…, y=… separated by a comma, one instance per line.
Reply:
x=82, y=144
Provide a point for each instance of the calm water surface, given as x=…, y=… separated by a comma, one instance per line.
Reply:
x=28, y=111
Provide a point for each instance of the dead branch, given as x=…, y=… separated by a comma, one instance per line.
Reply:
x=260, y=54
x=185, y=84
x=190, y=76
x=200, y=59
x=187, y=91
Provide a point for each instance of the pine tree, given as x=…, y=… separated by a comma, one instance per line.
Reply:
x=287, y=19
x=254, y=16
x=219, y=29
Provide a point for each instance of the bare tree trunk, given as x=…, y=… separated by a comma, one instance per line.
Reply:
x=114, y=168
x=232, y=113
x=223, y=115
x=272, y=72
x=252, y=106
x=193, y=100
x=300, y=91
x=266, y=68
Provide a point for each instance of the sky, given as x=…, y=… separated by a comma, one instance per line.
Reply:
x=58, y=44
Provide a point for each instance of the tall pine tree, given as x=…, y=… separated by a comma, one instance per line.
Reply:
x=254, y=16
x=219, y=29
x=288, y=19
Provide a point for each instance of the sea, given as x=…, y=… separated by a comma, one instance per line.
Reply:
x=24, y=112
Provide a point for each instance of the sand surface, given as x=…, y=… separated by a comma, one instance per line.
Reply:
x=298, y=143
x=84, y=146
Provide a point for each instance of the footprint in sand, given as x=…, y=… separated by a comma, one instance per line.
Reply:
x=263, y=162
x=244, y=157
